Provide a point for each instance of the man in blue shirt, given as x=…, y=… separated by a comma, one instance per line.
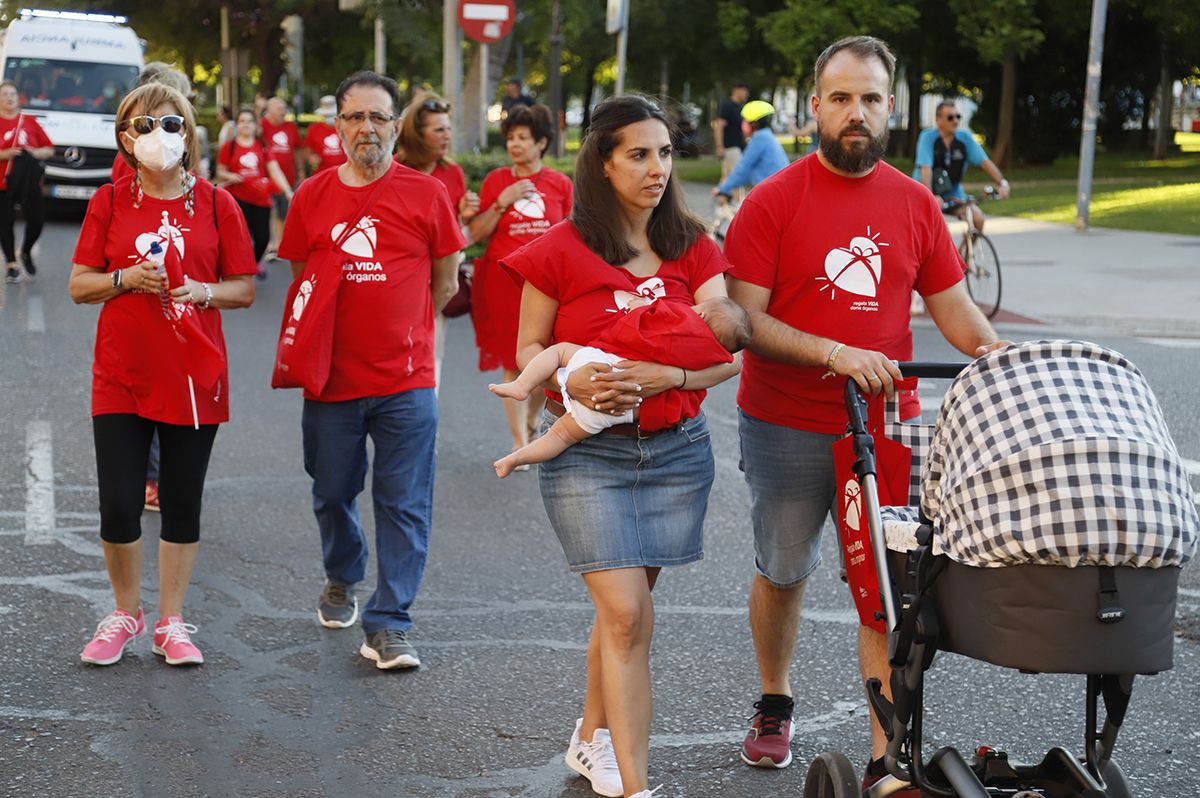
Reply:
x=764, y=155
x=943, y=154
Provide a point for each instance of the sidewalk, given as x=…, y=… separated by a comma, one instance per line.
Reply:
x=1140, y=284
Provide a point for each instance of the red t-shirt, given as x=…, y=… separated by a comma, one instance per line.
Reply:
x=453, y=178
x=322, y=140
x=282, y=142
x=383, y=334
x=116, y=235
x=120, y=169
x=495, y=297
x=668, y=332
x=592, y=295
x=30, y=134
x=251, y=163
x=841, y=257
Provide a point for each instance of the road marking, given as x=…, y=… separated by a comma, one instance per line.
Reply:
x=1173, y=343
x=1191, y=466
x=39, y=483
x=36, y=320
x=1184, y=591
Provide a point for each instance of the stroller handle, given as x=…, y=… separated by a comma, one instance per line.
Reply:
x=931, y=370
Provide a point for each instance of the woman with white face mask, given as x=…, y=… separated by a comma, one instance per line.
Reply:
x=162, y=251
x=21, y=140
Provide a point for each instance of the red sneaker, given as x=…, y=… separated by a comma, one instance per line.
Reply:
x=172, y=642
x=152, y=496
x=113, y=634
x=768, y=744
x=875, y=772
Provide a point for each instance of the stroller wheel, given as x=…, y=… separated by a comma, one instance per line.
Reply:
x=1114, y=781
x=831, y=776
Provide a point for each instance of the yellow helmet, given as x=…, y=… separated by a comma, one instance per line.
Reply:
x=756, y=110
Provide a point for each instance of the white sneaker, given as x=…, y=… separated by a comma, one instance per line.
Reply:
x=646, y=793
x=596, y=761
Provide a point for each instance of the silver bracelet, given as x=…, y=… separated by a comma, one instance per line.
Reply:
x=208, y=297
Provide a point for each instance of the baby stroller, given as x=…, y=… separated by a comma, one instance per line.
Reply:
x=1054, y=515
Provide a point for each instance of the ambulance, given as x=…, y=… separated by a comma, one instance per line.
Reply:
x=71, y=70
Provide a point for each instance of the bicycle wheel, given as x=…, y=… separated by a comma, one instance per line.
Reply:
x=983, y=273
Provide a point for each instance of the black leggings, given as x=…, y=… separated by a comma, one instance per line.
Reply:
x=35, y=218
x=258, y=221
x=122, y=444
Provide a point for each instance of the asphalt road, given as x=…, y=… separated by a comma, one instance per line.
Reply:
x=284, y=707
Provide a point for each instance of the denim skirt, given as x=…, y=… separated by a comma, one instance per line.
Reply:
x=624, y=502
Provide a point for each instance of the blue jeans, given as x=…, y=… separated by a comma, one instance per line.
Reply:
x=403, y=427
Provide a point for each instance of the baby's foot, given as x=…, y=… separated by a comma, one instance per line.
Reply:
x=509, y=390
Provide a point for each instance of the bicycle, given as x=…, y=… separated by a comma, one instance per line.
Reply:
x=981, y=264
x=723, y=213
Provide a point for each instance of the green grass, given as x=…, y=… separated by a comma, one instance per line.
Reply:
x=1129, y=190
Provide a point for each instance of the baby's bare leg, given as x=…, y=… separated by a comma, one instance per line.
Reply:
x=537, y=371
x=564, y=433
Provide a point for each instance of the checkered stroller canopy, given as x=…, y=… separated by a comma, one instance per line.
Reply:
x=1056, y=452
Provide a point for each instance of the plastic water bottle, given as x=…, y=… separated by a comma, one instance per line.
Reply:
x=158, y=257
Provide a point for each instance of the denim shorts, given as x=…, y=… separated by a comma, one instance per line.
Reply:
x=791, y=479
x=624, y=502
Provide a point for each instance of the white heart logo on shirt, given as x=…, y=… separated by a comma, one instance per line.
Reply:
x=332, y=142
x=249, y=160
x=280, y=138
x=857, y=268
x=531, y=207
x=166, y=233
x=361, y=241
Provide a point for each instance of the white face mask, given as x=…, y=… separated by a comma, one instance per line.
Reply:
x=158, y=150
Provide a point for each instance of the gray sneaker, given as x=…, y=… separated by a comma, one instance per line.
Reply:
x=338, y=607
x=390, y=649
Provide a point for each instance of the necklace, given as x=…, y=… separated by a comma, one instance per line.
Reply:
x=137, y=193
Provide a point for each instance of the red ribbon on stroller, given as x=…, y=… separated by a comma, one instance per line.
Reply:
x=893, y=461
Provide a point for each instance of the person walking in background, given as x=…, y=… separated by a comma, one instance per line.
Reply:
x=518, y=204
x=248, y=170
x=282, y=138
x=630, y=500
x=321, y=141
x=729, y=138
x=142, y=382
x=813, y=329
x=398, y=267
x=23, y=147
x=226, y=128
x=424, y=144
x=513, y=96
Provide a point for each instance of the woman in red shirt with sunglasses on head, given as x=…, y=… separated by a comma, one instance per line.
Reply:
x=160, y=355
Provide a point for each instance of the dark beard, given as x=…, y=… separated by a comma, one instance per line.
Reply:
x=856, y=159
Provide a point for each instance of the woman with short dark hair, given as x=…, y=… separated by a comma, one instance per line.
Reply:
x=518, y=203
x=630, y=500
x=23, y=145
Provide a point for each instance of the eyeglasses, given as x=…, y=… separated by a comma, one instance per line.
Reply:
x=953, y=117
x=170, y=123
x=376, y=118
x=436, y=107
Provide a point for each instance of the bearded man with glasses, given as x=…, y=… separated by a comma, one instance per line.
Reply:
x=943, y=154
x=388, y=239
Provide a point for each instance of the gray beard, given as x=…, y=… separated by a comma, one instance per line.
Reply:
x=368, y=158
x=854, y=160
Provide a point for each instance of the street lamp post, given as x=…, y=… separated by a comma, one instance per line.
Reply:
x=556, y=99
x=1091, y=111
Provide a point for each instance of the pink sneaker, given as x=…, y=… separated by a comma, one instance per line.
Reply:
x=172, y=642
x=113, y=634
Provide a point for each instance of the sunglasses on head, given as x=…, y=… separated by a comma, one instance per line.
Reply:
x=170, y=123
x=954, y=117
x=436, y=106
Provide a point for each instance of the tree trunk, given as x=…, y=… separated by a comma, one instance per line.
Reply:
x=1002, y=153
x=469, y=114
x=664, y=81
x=916, y=80
x=1162, y=137
x=589, y=89
x=267, y=55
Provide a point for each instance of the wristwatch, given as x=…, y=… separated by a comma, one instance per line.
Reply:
x=116, y=279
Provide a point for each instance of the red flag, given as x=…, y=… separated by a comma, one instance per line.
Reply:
x=203, y=360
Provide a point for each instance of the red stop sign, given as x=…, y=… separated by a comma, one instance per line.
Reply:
x=486, y=21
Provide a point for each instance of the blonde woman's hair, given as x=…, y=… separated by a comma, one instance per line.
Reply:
x=145, y=99
x=411, y=147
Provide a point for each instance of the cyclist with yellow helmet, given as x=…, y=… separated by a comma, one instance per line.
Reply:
x=764, y=155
